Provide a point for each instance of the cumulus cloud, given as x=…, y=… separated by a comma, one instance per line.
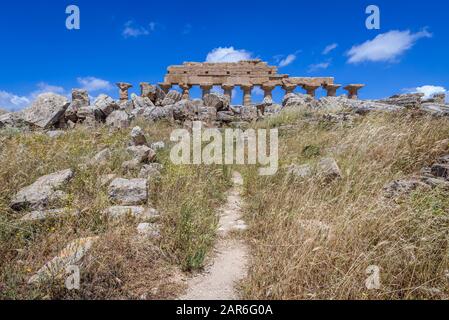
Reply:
x=318, y=66
x=131, y=30
x=94, y=84
x=228, y=54
x=258, y=91
x=429, y=90
x=386, y=47
x=330, y=48
x=287, y=60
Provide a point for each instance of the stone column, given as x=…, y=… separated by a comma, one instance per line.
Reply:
x=185, y=91
x=145, y=89
x=268, y=91
x=247, y=90
x=124, y=87
x=206, y=88
x=289, y=88
x=165, y=87
x=310, y=89
x=353, y=90
x=331, y=89
x=227, y=88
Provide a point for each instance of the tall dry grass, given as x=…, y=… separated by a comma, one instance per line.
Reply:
x=317, y=241
x=119, y=266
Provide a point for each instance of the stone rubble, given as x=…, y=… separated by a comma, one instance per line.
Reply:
x=72, y=255
x=43, y=192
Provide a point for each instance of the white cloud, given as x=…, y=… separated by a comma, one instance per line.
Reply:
x=94, y=84
x=134, y=31
x=386, y=47
x=287, y=60
x=12, y=102
x=330, y=48
x=429, y=90
x=221, y=55
x=318, y=66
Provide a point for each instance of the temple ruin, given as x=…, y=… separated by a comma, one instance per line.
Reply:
x=244, y=74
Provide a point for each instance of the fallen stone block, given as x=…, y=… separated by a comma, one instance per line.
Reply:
x=42, y=192
x=128, y=192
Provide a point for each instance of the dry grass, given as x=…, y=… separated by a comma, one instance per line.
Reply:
x=295, y=256
x=120, y=266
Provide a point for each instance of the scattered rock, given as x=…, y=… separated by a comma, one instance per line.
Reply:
x=149, y=172
x=302, y=171
x=409, y=100
x=128, y=192
x=225, y=116
x=143, y=154
x=55, y=134
x=219, y=102
x=156, y=146
x=12, y=119
x=102, y=157
x=141, y=102
x=131, y=165
x=328, y=169
x=106, y=105
x=42, y=192
x=441, y=170
x=46, y=111
x=106, y=179
x=118, y=119
x=401, y=187
x=80, y=98
x=183, y=110
x=71, y=255
x=149, y=230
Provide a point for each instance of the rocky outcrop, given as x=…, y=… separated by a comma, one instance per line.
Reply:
x=42, y=192
x=46, y=111
x=128, y=192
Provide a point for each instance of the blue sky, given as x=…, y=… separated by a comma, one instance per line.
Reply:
x=136, y=40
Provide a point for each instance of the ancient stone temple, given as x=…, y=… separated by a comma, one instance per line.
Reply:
x=246, y=75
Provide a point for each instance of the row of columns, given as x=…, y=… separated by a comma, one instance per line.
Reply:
x=331, y=90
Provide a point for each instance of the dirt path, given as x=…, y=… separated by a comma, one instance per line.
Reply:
x=229, y=265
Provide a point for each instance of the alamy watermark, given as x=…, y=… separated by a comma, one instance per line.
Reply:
x=232, y=146
x=373, y=20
